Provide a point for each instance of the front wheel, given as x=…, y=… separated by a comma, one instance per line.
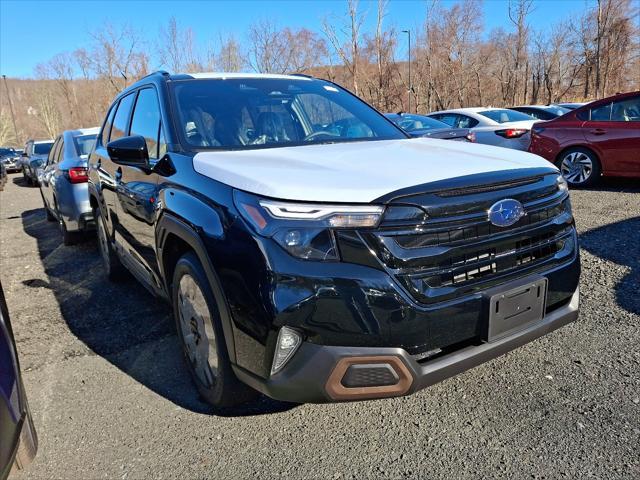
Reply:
x=580, y=167
x=200, y=332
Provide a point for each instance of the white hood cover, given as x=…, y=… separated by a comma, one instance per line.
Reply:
x=357, y=172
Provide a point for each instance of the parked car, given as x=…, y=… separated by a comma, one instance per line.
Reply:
x=542, y=112
x=63, y=183
x=312, y=250
x=35, y=155
x=3, y=176
x=10, y=159
x=422, y=126
x=492, y=126
x=18, y=440
x=570, y=105
x=601, y=138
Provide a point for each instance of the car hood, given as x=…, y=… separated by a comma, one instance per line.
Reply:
x=358, y=172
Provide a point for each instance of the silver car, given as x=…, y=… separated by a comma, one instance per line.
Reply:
x=63, y=183
x=492, y=126
x=34, y=155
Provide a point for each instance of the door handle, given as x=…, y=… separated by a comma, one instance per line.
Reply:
x=598, y=131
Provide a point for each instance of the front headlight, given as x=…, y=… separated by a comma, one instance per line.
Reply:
x=305, y=230
x=563, y=186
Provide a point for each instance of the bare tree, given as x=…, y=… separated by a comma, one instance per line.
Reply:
x=345, y=40
x=274, y=50
x=230, y=57
x=7, y=135
x=176, y=48
x=47, y=113
x=117, y=56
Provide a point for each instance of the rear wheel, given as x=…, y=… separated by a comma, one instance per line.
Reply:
x=68, y=238
x=112, y=265
x=580, y=167
x=50, y=217
x=200, y=332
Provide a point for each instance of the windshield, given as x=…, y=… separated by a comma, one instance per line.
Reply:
x=42, y=148
x=409, y=123
x=84, y=144
x=249, y=113
x=503, y=115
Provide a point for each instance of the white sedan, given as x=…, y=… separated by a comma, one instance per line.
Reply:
x=492, y=126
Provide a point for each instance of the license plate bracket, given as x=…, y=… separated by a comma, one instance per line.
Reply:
x=513, y=307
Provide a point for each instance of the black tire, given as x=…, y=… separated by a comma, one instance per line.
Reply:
x=113, y=268
x=587, y=167
x=223, y=388
x=68, y=238
x=50, y=217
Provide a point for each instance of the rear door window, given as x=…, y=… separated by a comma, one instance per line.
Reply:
x=601, y=113
x=465, y=122
x=450, y=119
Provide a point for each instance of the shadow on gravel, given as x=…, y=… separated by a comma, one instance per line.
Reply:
x=19, y=180
x=620, y=243
x=616, y=184
x=121, y=322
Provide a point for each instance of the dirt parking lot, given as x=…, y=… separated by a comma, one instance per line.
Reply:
x=111, y=397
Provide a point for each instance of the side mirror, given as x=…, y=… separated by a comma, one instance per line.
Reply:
x=24, y=154
x=130, y=151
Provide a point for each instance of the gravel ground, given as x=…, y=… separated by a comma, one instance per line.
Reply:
x=112, y=399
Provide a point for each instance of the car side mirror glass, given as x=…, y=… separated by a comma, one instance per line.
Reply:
x=130, y=151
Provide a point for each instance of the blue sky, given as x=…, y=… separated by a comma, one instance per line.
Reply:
x=33, y=31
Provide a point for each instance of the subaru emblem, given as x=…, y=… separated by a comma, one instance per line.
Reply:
x=506, y=212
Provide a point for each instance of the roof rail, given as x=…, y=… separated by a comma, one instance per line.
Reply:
x=161, y=72
x=302, y=75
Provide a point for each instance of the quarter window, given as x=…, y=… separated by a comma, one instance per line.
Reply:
x=121, y=119
x=146, y=120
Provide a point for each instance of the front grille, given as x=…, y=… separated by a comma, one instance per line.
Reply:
x=459, y=251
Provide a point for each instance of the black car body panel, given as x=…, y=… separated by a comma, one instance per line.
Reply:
x=18, y=441
x=371, y=298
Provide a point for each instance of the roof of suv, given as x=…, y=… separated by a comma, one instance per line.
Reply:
x=161, y=75
x=225, y=75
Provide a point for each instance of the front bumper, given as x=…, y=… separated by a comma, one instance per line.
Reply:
x=315, y=374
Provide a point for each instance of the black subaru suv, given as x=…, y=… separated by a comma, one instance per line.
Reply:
x=312, y=251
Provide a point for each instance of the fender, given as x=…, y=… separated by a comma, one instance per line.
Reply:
x=170, y=224
x=102, y=210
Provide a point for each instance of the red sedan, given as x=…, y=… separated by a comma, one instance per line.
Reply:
x=600, y=138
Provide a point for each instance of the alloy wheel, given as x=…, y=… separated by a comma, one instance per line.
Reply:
x=576, y=167
x=197, y=331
